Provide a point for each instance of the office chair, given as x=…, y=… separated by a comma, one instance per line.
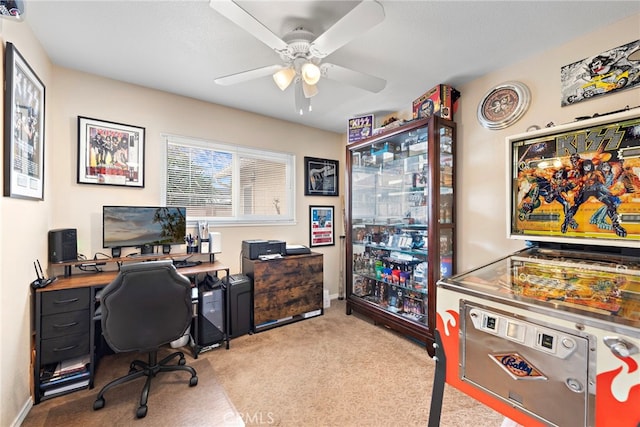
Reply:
x=146, y=306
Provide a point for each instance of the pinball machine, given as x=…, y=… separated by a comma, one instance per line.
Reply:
x=550, y=335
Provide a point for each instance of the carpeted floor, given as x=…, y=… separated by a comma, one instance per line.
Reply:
x=171, y=401
x=338, y=370
x=331, y=370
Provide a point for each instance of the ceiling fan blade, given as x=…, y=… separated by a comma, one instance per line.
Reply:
x=361, y=18
x=244, y=76
x=353, y=78
x=244, y=20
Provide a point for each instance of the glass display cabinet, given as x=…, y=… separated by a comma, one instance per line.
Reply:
x=400, y=230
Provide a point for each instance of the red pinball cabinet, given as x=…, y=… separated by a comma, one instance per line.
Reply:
x=550, y=335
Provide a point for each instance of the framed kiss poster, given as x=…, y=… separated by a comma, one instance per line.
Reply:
x=23, y=128
x=321, y=226
x=110, y=153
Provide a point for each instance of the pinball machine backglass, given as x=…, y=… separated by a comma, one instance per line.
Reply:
x=578, y=185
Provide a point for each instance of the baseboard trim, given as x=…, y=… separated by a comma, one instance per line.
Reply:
x=22, y=415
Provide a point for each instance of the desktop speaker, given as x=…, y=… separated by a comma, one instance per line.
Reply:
x=63, y=245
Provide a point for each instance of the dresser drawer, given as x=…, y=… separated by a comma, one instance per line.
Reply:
x=61, y=348
x=65, y=300
x=73, y=322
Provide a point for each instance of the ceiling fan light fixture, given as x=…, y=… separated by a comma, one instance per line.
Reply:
x=309, y=90
x=303, y=104
x=310, y=73
x=284, y=77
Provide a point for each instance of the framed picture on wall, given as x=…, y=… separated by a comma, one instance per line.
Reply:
x=23, y=128
x=110, y=153
x=604, y=73
x=321, y=226
x=320, y=177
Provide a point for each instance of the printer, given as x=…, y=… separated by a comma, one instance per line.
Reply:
x=253, y=249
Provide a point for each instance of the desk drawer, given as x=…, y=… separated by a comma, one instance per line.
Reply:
x=66, y=347
x=65, y=300
x=73, y=322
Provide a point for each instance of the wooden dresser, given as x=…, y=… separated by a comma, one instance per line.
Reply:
x=285, y=289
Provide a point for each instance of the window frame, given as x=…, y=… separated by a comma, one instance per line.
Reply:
x=237, y=193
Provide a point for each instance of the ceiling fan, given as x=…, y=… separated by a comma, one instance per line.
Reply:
x=302, y=52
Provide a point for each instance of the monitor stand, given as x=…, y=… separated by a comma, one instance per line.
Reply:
x=146, y=249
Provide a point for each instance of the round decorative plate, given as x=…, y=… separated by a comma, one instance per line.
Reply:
x=503, y=105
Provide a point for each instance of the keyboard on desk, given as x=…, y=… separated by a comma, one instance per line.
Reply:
x=183, y=264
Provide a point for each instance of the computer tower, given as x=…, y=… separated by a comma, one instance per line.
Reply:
x=63, y=245
x=210, y=315
x=241, y=305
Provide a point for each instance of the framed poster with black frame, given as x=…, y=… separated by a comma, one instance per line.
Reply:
x=24, y=99
x=320, y=177
x=110, y=153
x=321, y=226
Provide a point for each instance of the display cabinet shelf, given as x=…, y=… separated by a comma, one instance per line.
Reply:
x=400, y=234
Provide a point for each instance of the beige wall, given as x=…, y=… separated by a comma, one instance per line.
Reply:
x=24, y=224
x=23, y=229
x=80, y=206
x=481, y=172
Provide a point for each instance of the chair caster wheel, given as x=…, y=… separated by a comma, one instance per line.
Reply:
x=98, y=404
x=193, y=382
x=142, y=411
x=182, y=361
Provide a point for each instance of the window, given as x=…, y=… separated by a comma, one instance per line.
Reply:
x=222, y=183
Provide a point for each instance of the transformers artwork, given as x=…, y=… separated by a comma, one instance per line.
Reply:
x=591, y=188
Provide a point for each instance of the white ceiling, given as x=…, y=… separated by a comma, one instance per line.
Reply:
x=181, y=46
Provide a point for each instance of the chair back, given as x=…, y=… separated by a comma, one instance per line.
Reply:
x=146, y=306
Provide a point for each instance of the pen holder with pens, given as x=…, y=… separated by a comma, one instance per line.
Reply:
x=192, y=244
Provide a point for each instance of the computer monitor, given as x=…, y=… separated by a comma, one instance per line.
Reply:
x=143, y=226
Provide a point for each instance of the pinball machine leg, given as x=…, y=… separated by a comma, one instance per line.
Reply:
x=439, y=380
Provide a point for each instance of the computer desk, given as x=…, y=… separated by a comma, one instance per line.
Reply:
x=64, y=322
